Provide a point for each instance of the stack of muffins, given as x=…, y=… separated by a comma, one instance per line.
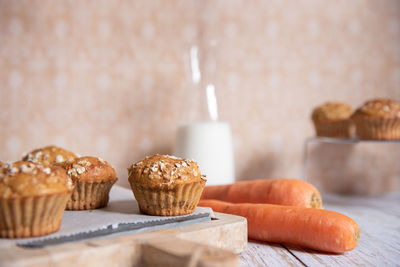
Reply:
x=35, y=192
x=377, y=119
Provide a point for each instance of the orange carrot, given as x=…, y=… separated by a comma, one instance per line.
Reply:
x=317, y=229
x=290, y=192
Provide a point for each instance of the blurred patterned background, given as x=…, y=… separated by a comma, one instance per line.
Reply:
x=109, y=78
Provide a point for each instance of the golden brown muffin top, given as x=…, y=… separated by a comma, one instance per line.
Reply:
x=379, y=108
x=89, y=169
x=164, y=170
x=49, y=155
x=24, y=179
x=332, y=111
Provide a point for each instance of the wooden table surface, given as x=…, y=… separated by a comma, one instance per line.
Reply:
x=379, y=221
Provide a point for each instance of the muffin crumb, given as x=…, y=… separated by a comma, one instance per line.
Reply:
x=59, y=158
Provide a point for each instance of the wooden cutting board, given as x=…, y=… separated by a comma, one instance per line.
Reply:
x=212, y=243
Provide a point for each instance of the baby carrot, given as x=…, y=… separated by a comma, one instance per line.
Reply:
x=290, y=192
x=310, y=228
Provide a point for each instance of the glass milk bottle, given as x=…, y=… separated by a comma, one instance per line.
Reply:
x=202, y=137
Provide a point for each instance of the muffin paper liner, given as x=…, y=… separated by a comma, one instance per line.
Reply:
x=90, y=195
x=336, y=129
x=377, y=129
x=166, y=200
x=31, y=216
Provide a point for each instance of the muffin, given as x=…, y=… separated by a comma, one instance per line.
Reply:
x=378, y=119
x=49, y=155
x=332, y=119
x=32, y=199
x=165, y=185
x=92, y=178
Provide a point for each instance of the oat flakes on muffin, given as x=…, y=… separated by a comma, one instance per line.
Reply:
x=332, y=119
x=92, y=178
x=49, y=155
x=32, y=199
x=166, y=185
x=378, y=119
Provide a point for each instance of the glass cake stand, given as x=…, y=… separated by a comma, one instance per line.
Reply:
x=352, y=166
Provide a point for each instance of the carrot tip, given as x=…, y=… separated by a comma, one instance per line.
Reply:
x=357, y=236
x=316, y=201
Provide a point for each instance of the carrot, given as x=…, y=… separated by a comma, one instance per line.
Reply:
x=289, y=192
x=317, y=229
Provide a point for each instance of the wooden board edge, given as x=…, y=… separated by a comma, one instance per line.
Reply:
x=228, y=232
